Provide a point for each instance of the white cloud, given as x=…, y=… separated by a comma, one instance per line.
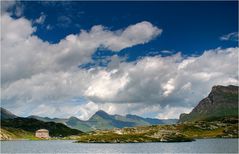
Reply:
x=167, y=51
x=19, y=9
x=230, y=37
x=139, y=33
x=152, y=84
x=21, y=48
x=106, y=84
x=186, y=62
x=172, y=112
x=11, y=33
x=169, y=87
x=37, y=75
x=41, y=19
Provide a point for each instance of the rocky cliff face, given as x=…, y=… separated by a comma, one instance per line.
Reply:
x=221, y=102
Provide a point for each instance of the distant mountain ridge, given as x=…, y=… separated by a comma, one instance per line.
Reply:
x=221, y=102
x=102, y=120
x=10, y=121
x=5, y=114
x=47, y=119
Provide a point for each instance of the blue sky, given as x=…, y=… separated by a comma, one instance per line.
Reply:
x=189, y=27
x=154, y=59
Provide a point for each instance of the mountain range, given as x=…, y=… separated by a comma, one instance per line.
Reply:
x=221, y=102
x=214, y=116
x=102, y=120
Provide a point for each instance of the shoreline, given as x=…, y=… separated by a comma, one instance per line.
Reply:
x=76, y=141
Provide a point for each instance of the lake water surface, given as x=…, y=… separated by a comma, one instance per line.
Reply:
x=60, y=146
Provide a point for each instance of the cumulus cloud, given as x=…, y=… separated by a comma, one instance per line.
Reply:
x=230, y=37
x=139, y=33
x=159, y=83
x=42, y=78
x=160, y=79
x=24, y=55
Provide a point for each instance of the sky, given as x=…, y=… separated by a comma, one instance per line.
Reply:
x=154, y=59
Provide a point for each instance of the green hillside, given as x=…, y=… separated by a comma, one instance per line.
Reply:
x=188, y=131
x=31, y=125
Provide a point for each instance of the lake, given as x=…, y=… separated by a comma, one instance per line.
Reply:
x=63, y=146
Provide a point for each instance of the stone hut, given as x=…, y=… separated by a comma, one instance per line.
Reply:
x=42, y=133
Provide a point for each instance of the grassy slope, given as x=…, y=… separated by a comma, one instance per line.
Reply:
x=157, y=133
x=15, y=134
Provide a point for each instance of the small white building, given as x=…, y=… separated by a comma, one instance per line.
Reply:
x=42, y=133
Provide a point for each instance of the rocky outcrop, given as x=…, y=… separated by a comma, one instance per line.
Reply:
x=221, y=102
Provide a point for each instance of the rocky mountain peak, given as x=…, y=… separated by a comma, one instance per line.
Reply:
x=225, y=89
x=221, y=101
